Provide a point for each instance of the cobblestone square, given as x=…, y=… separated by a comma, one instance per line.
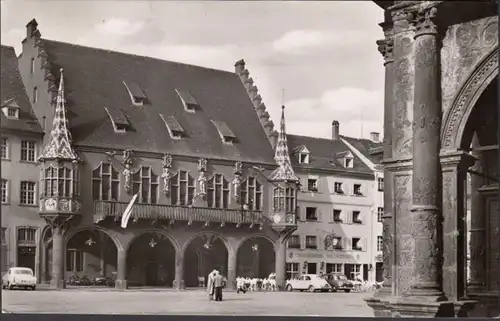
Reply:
x=93, y=301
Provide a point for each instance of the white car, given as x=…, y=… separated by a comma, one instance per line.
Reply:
x=309, y=282
x=19, y=277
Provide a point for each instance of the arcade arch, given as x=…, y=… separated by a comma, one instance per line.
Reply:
x=256, y=257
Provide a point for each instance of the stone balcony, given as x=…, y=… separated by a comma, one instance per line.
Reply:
x=104, y=209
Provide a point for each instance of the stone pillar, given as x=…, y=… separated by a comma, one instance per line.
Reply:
x=426, y=214
x=121, y=279
x=280, y=263
x=179, y=270
x=231, y=270
x=102, y=251
x=477, y=242
x=57, y=281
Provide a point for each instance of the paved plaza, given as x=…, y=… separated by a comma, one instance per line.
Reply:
x=90, y=301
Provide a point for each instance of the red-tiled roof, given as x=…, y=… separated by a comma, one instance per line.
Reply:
x=323, y=154
x=94, y=79
x=368, y=148
x=12, y=87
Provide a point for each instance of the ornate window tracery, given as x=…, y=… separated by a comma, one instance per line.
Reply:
x=146, y=183
x=218, y=192
x=284, y=199
x=60, y=182
x=251, y=193
x=105, y=183
x=182, y=189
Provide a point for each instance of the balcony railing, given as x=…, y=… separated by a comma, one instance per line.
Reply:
x=103, y=209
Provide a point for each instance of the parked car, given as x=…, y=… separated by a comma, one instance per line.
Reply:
x=19, y=277
x=309, y=282
x=339, y=281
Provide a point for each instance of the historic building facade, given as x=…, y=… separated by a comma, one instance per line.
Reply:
x=21, y=141
x=441, y=112
x=166, y=139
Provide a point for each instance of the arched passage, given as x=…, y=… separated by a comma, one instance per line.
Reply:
x=45, y=255
x=90, y=253
x=204, y=253
x=151, y=260
x=256, y=258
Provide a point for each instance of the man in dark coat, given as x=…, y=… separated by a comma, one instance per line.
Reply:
x=218, y=282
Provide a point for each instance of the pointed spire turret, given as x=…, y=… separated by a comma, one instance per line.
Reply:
x=285, y=171
x=59, y=143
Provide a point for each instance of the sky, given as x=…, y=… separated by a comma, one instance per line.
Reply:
x=318, y=58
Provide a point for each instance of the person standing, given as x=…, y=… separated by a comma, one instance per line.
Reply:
x=210, y=285
x=218, y=282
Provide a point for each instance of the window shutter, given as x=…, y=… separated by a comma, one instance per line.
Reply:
x=303, y=214
x=343, y=241
x=319, y=185
x=302, y=239
x=364, y=244
x=349, y=244
x=319, y=214
x=348, y=217
x=361, y=217
x=319, y=243
x=303, y=181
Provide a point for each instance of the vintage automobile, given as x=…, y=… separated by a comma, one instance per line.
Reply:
x=309, y=282
x=19, y=277
x=339, y=281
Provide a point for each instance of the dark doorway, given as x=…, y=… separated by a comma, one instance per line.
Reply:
x=312, y=268
x=152, y=274
x=348, y=268
x=365, y=272
x=379, y=272
x=256, y=258
x=26, y=257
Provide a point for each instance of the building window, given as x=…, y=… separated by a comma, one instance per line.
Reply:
x=12, y=113
x=292, y=271
x=60, y=182
x=338, y=188
x=35, y=94
x=27, y=193
x=356, y=244
x=303, y=158
x=32, y=66
x=380, y=214
x=312, y=185
x=26, y=236
x=380, y=243
x=311, y=242
x=251, y=194
x=356, y=271
x=284, y=200
x=145, y=182
x=348, y=162
x=28, y=150
x=74, y=260
x=333, y=267
x=105, y=183
x=311, y=214
x=182, y=189
x=356, y=217
x=5, y=191
x=380, y=183
x=218, y=192
x=294, y=242
x=337, y=216
x=357, y=189
x=337, y=243
x=4, y=148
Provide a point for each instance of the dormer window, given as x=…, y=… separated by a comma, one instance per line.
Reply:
x=303, y=154
x=303, y=158
x=118, y=120
x=10, y=109
x=190, y=104
x=348, y=162
x=174, y=128
x=225, y=132
x=137, y=95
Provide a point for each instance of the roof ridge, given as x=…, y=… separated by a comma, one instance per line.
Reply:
x=306, y=136
x=136, y=55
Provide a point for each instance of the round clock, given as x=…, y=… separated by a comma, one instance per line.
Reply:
x=276, y=218
x=50, y=204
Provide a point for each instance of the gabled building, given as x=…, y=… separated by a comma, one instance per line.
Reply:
x=21, y=142
x=180, y=144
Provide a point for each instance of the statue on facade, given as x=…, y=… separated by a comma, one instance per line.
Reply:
x=166, y=174
x=202, y=178
x=238, y=169
x=127, y=172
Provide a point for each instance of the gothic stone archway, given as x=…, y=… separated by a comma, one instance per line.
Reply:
x=256, y=258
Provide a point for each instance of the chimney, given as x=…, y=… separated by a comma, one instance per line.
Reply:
x=31, y=27
x=335, y=130
x=375, y=137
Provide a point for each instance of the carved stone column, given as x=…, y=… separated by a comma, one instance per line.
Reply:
x=179, y=270
x=59, y=225
x=231, y=270
x=426, y=212
x=454, y=166
x=121, y=278
x=280, y=263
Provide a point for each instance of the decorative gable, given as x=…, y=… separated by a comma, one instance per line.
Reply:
x=10, y=108
x=190, y=104
x=175, y=129
x=137, y=95
x=225, y=132
x=118, y=120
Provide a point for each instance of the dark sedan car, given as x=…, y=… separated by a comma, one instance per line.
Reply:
x=339, y=281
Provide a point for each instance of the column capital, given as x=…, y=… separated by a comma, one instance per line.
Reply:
x=386, y=48
x=425, y=22
x=456, y=159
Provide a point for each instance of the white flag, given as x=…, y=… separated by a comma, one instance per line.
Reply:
x=128, y=211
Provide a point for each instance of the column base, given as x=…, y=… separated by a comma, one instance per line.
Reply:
x=421, y=307
x=380, y=307
x=57, y=284
x=121, y=284
x=179, y=285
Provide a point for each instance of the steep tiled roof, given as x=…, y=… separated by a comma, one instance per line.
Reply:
x=12, y=87
x=94, y=80
x=324, y=154
x=368, y=148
